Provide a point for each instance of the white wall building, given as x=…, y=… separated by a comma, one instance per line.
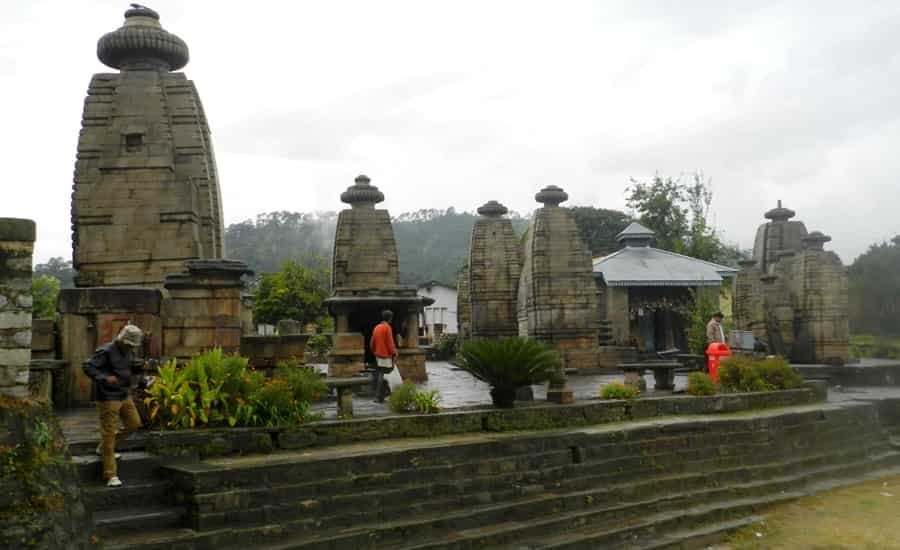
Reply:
x=440, y=317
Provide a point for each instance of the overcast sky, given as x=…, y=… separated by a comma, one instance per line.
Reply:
x=455, y=103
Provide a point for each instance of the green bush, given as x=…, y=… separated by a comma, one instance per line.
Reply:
x=407, y=398
x=743, y=374
x=510, y=363
x=427, y=402
x=618, y=390
x=402, y=397
x=214, y=389
x=305, y=382
x=699, y=383
x=445, y=347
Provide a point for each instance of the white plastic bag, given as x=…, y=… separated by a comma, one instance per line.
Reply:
x=393, y=378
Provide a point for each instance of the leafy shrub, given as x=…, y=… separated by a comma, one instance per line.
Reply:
x=510, y=363
x=744, y=374
x=215, y=389
x=427, y=402
x=618, y=390
x=699, y=383
x=407, y=398
x=777, y=373
x=305, y=382
x=402, y=397
x=445, y=347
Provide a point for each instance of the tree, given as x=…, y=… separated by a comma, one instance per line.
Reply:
x=296, y=291
x=874, y=290
x=679, y=215
x=44, y=292
x=60, y=269
x=598, y=227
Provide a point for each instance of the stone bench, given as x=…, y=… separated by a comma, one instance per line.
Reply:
x=663, y=373
x=344, y=389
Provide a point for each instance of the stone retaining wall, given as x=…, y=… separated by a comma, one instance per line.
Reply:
x=16, y=246
x=232, y=441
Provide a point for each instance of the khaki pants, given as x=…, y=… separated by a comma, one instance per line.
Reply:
x=110, y=413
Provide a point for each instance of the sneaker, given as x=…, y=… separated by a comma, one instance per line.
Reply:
x=114, y=482
x=99, y=452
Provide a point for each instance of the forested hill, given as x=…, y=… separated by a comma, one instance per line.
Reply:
x=432, y=244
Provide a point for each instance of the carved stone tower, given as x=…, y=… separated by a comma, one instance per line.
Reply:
x=146, y=194
x=557, y=300
x=494, y=267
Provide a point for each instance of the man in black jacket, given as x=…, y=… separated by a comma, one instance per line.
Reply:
x=110, y=368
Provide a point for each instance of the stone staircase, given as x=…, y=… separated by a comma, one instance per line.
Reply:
x=666, y=483
x=145, y=503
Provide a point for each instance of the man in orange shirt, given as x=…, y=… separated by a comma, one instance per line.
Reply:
x=382, y=345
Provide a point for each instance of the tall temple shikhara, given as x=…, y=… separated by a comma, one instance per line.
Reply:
x=146, y=194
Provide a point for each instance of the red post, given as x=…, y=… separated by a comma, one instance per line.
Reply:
x=714, y=354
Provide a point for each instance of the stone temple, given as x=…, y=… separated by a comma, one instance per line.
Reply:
x=365, y=280
x=147, y=223
x=146, y=195
x=557, y=296
x=793, y=294
x=493, y=272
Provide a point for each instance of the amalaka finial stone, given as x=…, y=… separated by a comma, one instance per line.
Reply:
x=780, y=214
x=816, y=241
x=142, y=44
x=551, y=196
x=492, y=209
x=362, y=193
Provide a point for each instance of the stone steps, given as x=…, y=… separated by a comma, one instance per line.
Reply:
x=146, y=518
x=511, y=520
x=131, y=466
x=287, y=502
x=570, y=518
x=458, y=493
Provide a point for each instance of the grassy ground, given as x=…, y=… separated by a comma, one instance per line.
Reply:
x=865, y=516
x=868, y=345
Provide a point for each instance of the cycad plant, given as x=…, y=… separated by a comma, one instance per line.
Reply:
x=508, y=364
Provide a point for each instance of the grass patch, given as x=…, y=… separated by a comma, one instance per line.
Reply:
x=861, y=516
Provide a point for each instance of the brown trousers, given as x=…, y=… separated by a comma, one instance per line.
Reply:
x=110, y=414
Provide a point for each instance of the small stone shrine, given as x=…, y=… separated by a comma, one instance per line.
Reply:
x=494, y=268
x=557, y=300
x=147, y=224
x=793, y=294
x=365, y=280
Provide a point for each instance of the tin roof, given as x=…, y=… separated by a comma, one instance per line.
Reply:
x=647, y=266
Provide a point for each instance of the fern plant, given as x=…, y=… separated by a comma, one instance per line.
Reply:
x=508, y=364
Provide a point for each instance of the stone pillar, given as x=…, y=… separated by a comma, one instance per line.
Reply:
x=411, y=359
x=16, y=246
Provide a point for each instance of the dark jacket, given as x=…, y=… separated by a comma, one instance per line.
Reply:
x=110, y=360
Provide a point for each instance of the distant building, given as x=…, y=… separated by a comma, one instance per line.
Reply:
x=440, y=317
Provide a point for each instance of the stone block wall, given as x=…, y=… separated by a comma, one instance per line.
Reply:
x=463, y=305
x=203, y=308
x=91, y=317
x=16, y=247
x=365, y=253
x=146, y=194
